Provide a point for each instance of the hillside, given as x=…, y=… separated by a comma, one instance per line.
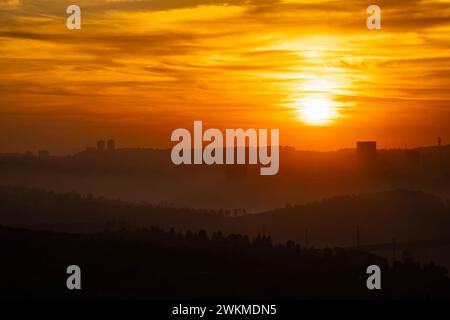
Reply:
x=380, y=217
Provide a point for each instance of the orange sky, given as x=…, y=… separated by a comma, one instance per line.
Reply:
x=139, y=69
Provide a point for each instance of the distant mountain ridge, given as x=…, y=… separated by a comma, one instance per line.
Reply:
x=378, y=217
x=149, y=175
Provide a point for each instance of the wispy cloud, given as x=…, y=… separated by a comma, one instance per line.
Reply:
x=230, y=62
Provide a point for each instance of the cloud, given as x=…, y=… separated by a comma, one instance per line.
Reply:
x=224, y=60
x=9, y=4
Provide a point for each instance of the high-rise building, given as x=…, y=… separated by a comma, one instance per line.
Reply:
x=101, y=145
x=367, y=151
x=111, y=144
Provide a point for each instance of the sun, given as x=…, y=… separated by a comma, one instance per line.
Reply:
x=317, y=110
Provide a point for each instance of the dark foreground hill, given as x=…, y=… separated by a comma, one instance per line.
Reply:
x=153, y=264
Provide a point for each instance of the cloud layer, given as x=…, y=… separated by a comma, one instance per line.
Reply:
x=138, y=68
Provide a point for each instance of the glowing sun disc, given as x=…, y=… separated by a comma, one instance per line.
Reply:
x=317, y=110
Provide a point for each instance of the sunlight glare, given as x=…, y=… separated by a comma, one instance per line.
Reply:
x=317, y=110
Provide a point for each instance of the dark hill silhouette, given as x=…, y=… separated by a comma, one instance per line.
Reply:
x=154, y=264
x=406, y=216
x=380, y=217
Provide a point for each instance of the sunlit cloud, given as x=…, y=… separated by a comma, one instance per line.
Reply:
x=229, y=63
